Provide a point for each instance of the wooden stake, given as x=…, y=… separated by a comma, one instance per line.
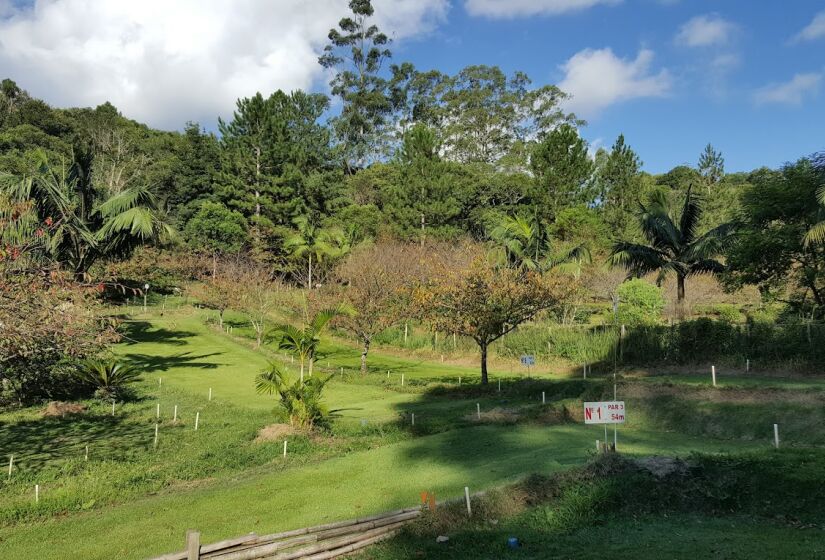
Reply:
x=388, y=374
x=713, y=374
x=197, y=419
x=584, y=370
x=193, y=544
x=467, y=499
x=160, y=381
x=776, y=435
x=478, y=410
x=747, y=366
x=459, y=381
x=284, y=449
x=405, y=333
x=155, y=444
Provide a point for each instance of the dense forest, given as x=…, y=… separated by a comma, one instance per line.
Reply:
x=294, y=182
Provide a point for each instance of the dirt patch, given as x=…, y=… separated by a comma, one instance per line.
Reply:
x=660, y=467
x=57, y=408
x=274, y=432
x=497, y=415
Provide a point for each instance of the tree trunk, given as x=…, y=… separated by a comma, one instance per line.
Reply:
x=483, y=364
x=302, y=369
x=311, y=363
x=214, y=265
x=220, y=318
x=309, y=273
x=680, y=296
x=364, y=353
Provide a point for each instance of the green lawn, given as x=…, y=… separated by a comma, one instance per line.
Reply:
x=130, y=501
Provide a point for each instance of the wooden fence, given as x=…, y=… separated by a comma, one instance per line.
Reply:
x=310, y=543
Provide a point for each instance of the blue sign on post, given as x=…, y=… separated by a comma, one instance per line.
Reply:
x=528, y=360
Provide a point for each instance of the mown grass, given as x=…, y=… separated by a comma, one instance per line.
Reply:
x=373, y=459
x=759, y=505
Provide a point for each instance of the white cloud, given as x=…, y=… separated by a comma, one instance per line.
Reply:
x=704, y=31
x=503, y=9
x=598, y=78
x=789, y=93
x=814, y=30
x=168, y=62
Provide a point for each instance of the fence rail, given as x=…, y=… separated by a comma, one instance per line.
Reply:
x=320, y=542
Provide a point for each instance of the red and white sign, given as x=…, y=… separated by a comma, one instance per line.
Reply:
x=609, y=412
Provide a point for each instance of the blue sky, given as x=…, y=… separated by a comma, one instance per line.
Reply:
x=672, y=75
x=714, y=89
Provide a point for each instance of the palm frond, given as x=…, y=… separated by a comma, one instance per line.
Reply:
x=691, y=213
x=637, y=259
x=815, y=235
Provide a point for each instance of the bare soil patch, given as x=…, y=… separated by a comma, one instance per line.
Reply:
x=58, y=408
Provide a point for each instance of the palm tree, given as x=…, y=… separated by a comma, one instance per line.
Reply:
x=301, y=401
x=313, y=243
x=673, y=247
x=525, y=244
x=108, y=377
x=303, y=343
x=84, y=224
x=816, y=235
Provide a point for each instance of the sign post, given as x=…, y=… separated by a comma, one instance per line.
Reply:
x=605, y=412
x=528, y=360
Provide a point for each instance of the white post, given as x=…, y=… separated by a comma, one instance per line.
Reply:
x=467, y=499
x=284, y=449
x=478, y=410
x=175, y=418
x=442, y=358
x=499, y=385
x=291, y=359
x=113, y=408
x=584, y=370
x=542, y=398
x=713, y=374
x=157, y=410
x=459, y=381
x=197, y=419
x=615, y=436
x=11, y=464
x=597, y=445
x=405, y=333
x=776, y=435
x=747, y=366
x=413, y=418
x=342, y=370
x=402, y=379
x=605, y=435
x=36, y=493
x=160, y=381
x=210, y=393
x=87, y=453
x=155, y=444
x=614, y=392
x=388, y=374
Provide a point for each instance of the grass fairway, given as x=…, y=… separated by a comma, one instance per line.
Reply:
x=129, y=501
x=357, y=484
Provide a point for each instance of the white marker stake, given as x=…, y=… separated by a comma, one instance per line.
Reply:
x=87, y=453
x=157, y=411
x=615, y=436
x=175, y=419
x=402, y=379
x=210, y=393
x=478, y=410
x=713, y=374
x=597, y=445
x=113, y=408
x=542, y=398
x=388, y=374
x=160, y=381
x=284, y=449
x=413, y=418
x=36, y=493
x=614, y=392
x=197, y=419
x=467, y=499
x=584, y=370
x=499, y=385
x=155, y=444
x=459, y=381
x=776, y=435
x=605, y=435
x=342, y=370
x=747, y=366
x=11, y=464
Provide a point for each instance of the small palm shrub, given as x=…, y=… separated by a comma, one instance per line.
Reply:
x=109, y=378
x=301, y=399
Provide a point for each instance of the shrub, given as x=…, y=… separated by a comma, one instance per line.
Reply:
x=640, y=303
x=300, y=400
x=109, y=378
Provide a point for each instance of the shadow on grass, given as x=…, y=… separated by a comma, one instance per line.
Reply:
x=36, y=443
x=149, y=363
x=135, y=332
